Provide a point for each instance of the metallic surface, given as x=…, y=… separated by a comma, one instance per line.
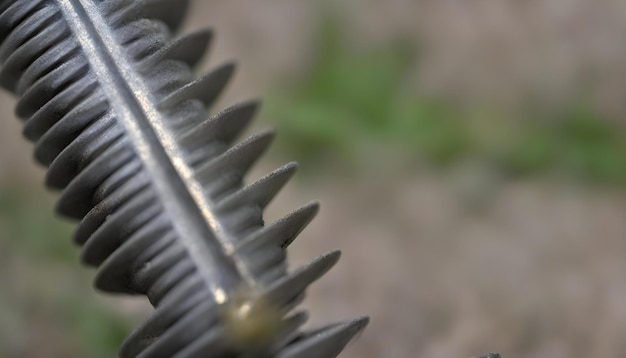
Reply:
x=110, y=102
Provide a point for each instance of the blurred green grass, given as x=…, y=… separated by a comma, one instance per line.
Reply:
x=46, y=297
x=354, y=99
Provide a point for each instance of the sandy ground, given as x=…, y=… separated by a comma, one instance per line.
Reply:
x=535, y=272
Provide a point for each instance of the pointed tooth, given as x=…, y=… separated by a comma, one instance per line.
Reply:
x=127, y=173
x=90, y=144
x=163, y=272
x=114, y=275
x=147, y=273
x=111, y=7
x=52, y=112
x=223, y=126
x=235, y=162
x=262, y=191
x=111, y=202
x=205, y=89
x=290, y=287
x=14, y=13
x=189, y=295
x=19, y=58
x=120, y=227
x=76, y=199
x=211, y=344
x=5, y=5
x=167, y=76
x=142, y=38
x=214, y=343
x=87, y=117
x=148, y=44
x=135, y=30
x=189, y=49
x=46, y=88
x=326, y=342
x=169, y=280
x=171, y=12
x=189, y=286
x=282, y=232
x=56, y=55
x=187, y=329
x=28, y=29
x=291, y=326
x=162, y=318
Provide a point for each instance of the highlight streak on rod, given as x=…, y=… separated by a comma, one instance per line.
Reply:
x=138, y=114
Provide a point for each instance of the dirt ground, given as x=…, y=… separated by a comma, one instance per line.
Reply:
x=535, y=272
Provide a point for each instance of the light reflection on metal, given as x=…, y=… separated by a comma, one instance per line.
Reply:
x=109, y=100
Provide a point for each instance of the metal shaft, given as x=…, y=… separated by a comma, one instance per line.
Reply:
x=108, y=98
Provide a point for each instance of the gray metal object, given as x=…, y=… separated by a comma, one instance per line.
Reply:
x=113, y=109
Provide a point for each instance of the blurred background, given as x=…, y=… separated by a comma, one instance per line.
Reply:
x=470, y=158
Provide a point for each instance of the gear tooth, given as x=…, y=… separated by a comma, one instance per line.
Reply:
x=211, y=344
x=295, y=321
x=206, y=89
x=290, y=287
x=220, y=175
x=118, y=228
x=326, y=342
x=23, y=45
x=14, y=12
x=189, y=49
x=223, y=127
x=46, y=88
x=58, y=54
x=262, y=191
x=163, y=317
x=77, y=198
x=82, y=151
x=114, y=275
x=90, y=116
x=186, y=328
x=291, y=326
x=53, y=111
x=120, y=12
x=170, y=12
x=282, y=232
x=114, y=200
